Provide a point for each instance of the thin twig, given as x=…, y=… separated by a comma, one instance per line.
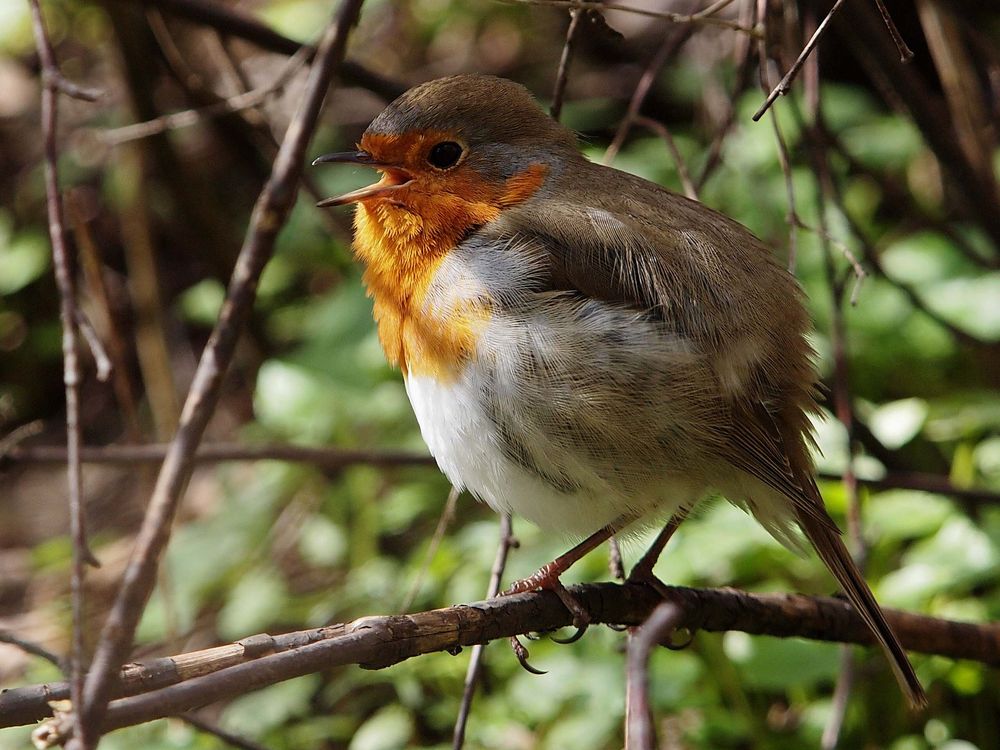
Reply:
x=263, y=126
x=842, y=403
x=712, y=9
x=905, y=53
x=678, y=18
x=233, y=22
x=744, y=59
x=447, y=516
x=30, y=647
x=791, y=214
x=218, y=732
x=269, y=215
x=507, y=542
x=334, y=459
x=785, y=83
x=326, y=458
x=96, y=289
x=10, y=442
x=846, y=673
x=639, y=732
x=562, y=76
x=856, y=268
x=75, y=90
x=671, y=43
x=71, y=363
x=104, y=368
x=175, y=120
x=682, y=171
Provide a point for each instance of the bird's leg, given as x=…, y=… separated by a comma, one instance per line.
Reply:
x=547, y=577
x=642, y=572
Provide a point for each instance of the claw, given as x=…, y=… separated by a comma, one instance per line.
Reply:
x=573, y=638
x=546, y=578
x=522, y=656
x=617, y=628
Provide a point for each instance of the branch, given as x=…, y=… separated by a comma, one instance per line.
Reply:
x=974, y=187
x=30, y=647
x=69, y=314
x=562, y=75
x=165, y=687
x=234, y=23
x=704, y=18
x=334, y=459
x=189, y=117
x=671, y=44
x=639, y=732
x=127, y=455
x=269, y=215
x=786, y=81
x=472, y=672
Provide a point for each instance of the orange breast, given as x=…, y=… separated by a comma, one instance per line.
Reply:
x=403, y=243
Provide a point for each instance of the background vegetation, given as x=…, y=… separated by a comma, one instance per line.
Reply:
x=899, y=173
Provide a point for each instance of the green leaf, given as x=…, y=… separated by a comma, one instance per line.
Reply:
x=970, y=303
x=388, y=729
x=270, y=707
x=23, y=258
x=923, y=257
x=905, y=514
x=889, y=142
x=201, y=303
x=256, y=602
x=779, y=663
x=957, y=557
x=898, y=422
x=323, y=543
x=986, y=458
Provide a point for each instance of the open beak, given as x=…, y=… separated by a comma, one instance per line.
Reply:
x=393, y=177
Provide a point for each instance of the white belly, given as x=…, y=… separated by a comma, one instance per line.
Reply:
x=464, y=441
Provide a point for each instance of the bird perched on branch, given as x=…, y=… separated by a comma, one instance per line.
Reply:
x=582, y=347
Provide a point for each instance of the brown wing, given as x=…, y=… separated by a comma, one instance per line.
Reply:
x=711, y=282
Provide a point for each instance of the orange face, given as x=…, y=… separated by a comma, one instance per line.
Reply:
x=425, y=173
x=427, y=201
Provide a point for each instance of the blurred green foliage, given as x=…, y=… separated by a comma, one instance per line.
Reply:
x=286, y=547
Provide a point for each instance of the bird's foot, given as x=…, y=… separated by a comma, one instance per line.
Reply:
x=546, y=578
x=642, y=575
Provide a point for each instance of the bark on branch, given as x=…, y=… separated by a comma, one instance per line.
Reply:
x=172, y=685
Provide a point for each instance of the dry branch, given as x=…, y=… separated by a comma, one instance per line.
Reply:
x=174, y=685
x=234, y=23
x=129, y=455
x=268, y=217
x=334, y=459
x=69, y=314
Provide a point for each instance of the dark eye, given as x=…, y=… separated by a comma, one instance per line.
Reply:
x=445, y=154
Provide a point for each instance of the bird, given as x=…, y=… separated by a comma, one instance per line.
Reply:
x=582, y=347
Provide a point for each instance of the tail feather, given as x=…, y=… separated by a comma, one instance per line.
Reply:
x=838, y=560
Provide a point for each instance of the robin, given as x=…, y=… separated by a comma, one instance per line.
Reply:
x=582, y=347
